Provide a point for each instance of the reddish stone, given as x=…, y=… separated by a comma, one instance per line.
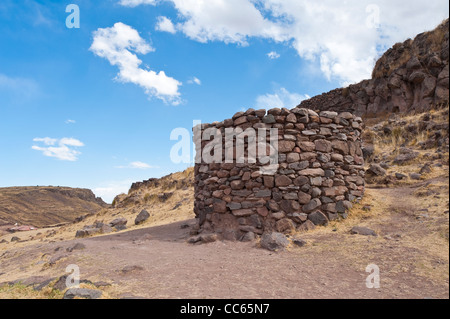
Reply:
x=263, y=211
x=282, y=180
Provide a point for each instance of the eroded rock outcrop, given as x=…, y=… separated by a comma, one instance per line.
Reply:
x=412, y=76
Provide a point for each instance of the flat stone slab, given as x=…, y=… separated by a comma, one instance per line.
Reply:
x=359, y=230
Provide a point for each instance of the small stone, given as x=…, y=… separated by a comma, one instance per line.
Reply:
x=299, y=217
x=278, y=215
x=118, y=222
x=131, y=268
x=415, y=176
x=285, y=146
x=269, y=119
x=274, y=241
x=263, y=211
x=77, y=246
x=248, y=236
x=323, y=146
x=307, y=146
x=291, y=118
x=208, y=238
x=376, y=169
x=234, y=206
x=306, y=226
x=299, y=242
x=328, y=114
x=242, y=212
x=105, y=229
x=312, y=172
x=82, y=293
x=282, y=180
x=264, y=193
x=318, y=218
x=309, y=132
x=293, y=157
x=400, y=176
x=426, y=169
x=303, y=198
x=362, y=231
x=285, y=226
x=312, y=205
x=120, y=227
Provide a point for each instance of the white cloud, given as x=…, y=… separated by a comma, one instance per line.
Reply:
x=164, y=24
x=19, y=86
x=231, y=21
x=117, y=44
x=62, y=149
x=108, y=190
x=69, y=121
x=134, y=3
x=273, y=55
x=46, y=140
x=138, y=165
x=281, y=98
x=194, y=80
x=345, y=38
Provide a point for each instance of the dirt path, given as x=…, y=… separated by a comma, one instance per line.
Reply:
x=157, y=262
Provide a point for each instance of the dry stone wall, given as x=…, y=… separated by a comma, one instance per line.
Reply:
x=316, y=171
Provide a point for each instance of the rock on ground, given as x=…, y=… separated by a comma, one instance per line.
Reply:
x=363, y=231
x=82, y=293
x=274, y=241
x=142, y=217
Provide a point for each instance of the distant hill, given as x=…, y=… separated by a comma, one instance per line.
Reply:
x=43, y=206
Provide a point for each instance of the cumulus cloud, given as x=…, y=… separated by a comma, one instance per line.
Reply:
x=69, y=121
x=281, y=98
x=164, y=24
x=118, y=44
x=62, y=149
x=344, y=38
x=273, y=55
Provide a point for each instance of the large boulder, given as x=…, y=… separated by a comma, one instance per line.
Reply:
x=141, y=217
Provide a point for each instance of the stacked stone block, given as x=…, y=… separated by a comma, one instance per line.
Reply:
x=318, y=175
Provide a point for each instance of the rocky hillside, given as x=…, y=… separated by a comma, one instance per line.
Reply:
x=412, y=76
x=154, y=191
x=153, y=202
x=44, y=206
x=407, y=148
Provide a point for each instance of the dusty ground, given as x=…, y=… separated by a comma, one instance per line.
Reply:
x=411, y=252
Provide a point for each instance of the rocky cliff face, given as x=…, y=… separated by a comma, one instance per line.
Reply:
x=412, y=76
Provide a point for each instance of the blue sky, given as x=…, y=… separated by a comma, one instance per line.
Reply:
x=95, y=106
